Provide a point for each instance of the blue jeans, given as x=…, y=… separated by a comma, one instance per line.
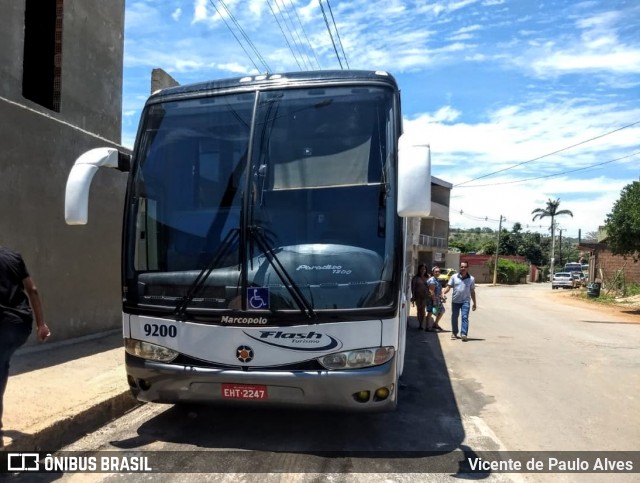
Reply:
x=455, y=311
x=12, y=335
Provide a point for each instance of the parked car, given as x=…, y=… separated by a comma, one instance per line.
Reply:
x=579, y=279
x=562, y=279
x=445, y=275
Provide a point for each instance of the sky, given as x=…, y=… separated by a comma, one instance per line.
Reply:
x=521, y=101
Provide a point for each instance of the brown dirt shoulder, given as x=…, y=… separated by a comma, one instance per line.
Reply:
x=628, y=309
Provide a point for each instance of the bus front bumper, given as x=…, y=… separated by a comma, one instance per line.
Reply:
x=354, y=389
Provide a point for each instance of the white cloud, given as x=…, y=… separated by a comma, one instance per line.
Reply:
x=200, y=11
x=185, y=65
x=517, y=134
x=596, y=49
x=619, y=60
x=236, y=68
x=467, y=29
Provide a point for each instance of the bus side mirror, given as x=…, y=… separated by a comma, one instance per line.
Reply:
x=414, y=179
x=76, y=199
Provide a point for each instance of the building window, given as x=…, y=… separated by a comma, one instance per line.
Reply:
x=42, y=64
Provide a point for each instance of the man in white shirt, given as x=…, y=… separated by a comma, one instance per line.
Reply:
x=464, y=292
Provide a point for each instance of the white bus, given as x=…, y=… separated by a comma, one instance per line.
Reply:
x=264, y=239
x=572, y=267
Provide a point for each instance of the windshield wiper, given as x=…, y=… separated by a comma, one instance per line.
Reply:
x=257, y=234
x=224, y=247
x=254, y=232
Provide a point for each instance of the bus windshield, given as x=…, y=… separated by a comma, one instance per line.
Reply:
x=265, y=201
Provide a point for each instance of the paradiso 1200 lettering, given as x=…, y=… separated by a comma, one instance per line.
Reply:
x=334, y=269
x=298, y=341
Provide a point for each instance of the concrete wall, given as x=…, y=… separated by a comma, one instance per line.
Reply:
x=92, y=65
x=77, y=269
x=161, y=80
x=92, y=53
x=11, y=39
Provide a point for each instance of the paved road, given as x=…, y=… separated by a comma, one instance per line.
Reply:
x=536, y=375
x=545, y=375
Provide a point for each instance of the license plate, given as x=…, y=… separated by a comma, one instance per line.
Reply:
x=244, y=391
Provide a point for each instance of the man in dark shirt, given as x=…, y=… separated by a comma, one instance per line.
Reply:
x=19, y=303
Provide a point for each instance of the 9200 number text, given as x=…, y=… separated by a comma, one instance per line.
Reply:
x=159, y=330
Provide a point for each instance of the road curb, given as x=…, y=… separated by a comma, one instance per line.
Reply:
x=64, y=432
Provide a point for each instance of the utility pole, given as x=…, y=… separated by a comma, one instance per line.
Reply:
x=553, y=248
x=560, y=246
x=495, y=266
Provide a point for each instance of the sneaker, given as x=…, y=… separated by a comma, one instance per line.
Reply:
x=454, y=336
x=464, y=338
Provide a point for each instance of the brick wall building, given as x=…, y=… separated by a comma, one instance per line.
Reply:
x=479, y=265
x=609, y=268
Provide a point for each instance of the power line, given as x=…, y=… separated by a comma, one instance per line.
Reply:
x=338, y=34
x=472, y=217
x=244, y=35
x=286, y=39
x=551, y=175
x=549, y=154
x=492, y=221
x=235, y=36
x=305, y=35
x=295, y=34
x=330, y=34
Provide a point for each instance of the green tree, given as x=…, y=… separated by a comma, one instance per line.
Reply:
x=623, y=223
x=508, y=243
x=551, y=211
x=487, y=247
x=509, y=271
x=460, y=245
x=531, y=249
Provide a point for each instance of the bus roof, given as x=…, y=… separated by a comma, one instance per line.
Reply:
x=270, y=81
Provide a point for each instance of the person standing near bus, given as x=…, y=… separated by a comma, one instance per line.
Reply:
x=420, y=294
x=464, y=292
x=435, y=303
x=19, y=303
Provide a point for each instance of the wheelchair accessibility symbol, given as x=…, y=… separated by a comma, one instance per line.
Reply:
x=258, y=298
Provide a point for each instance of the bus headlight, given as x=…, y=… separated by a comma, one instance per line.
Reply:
x=356, y=359
x=150, y=351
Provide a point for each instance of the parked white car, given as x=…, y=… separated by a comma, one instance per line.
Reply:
x=579, y=279
x=562, y=279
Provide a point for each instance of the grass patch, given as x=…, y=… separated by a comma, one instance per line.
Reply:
x=604, y=299
x=633, y=289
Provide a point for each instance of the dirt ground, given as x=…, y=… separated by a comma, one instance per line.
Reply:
x=628, y=308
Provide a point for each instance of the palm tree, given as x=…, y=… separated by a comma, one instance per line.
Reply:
x=551, y=211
